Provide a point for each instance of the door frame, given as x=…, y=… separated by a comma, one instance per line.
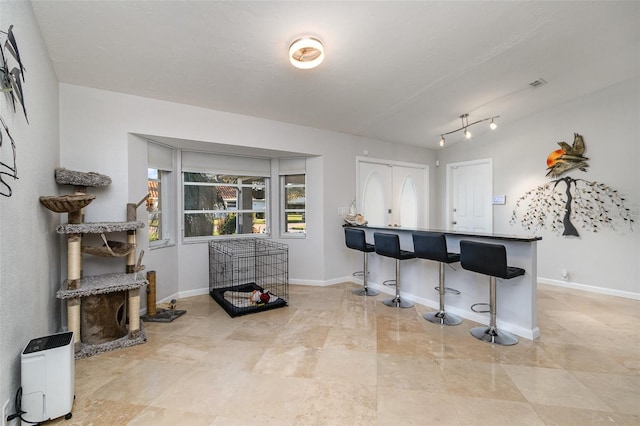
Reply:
x=425, y=167
x=449, y=187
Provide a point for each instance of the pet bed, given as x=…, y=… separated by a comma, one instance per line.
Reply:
x=236, y=305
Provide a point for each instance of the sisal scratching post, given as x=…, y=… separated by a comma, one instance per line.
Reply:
x=151, y=293
x=134, y=312
x=74, y=260
x=73, y=320
x=155, y=314
x=74, y=273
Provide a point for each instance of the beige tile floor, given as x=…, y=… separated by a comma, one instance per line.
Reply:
x=333, y=358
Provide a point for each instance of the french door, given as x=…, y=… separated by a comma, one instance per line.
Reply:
x=393, y=194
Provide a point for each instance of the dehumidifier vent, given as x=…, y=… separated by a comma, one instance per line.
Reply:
x=48, y=342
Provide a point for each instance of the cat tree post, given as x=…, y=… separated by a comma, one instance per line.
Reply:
x=74, y=273
x=133, y=268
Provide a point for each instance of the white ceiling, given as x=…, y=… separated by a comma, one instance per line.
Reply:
x=396, y=71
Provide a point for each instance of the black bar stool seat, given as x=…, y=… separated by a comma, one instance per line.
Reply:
x=491, y=260
x=355, y=239
x=388, y=245
x=433, y=246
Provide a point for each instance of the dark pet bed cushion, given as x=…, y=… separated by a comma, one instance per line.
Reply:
x=234, y=311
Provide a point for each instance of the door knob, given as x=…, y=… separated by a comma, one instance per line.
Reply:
x=454, y=223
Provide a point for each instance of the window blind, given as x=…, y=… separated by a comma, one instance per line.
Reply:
x=159, y=156
x=292, y=166
x=204, y=162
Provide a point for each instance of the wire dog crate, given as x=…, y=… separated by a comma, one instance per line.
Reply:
x=248, y=275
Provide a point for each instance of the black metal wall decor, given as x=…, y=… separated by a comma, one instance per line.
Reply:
x=11, y=79
x=592, y=205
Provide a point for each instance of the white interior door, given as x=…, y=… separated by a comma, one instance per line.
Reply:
x=409, y=195
x=374, y=190
x=470, y=205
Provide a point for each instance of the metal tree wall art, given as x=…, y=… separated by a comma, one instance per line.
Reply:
x=558, y=204
x=11, y=79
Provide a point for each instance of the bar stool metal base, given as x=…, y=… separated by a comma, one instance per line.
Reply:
x=365, y=292
x=493, y=335
x=442, y=318
x=397, y=302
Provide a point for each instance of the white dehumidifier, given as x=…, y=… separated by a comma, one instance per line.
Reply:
x=48, y=378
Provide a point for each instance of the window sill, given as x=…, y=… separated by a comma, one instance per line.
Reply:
x=155, y=245
x=294, y=236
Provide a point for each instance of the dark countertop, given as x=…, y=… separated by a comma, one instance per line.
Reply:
x=453, y=233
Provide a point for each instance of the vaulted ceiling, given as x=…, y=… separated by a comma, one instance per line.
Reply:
x=396, y=71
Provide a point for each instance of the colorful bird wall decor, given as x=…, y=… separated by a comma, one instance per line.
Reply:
x=593, y=206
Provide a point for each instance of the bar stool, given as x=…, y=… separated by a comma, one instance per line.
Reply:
x=433, y=246
x=356, y=240
x=491, y=260
x=388, y=245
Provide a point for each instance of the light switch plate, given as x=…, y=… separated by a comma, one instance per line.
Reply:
x=499, y=199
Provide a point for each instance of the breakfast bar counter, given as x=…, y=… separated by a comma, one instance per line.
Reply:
x=516, y=298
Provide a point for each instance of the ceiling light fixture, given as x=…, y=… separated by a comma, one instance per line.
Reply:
x=306, y=53
x=465, y=126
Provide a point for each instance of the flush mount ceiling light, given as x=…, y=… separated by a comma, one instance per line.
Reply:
x=306, y=53
x=465, y=126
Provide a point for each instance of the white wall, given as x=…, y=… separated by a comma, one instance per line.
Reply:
x=609, y=120
x=95, y=128
x=29, y=246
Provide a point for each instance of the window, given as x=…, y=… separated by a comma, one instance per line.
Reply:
x=224, y=204
x=154, y=204
x=161, y=218
x=294, y=201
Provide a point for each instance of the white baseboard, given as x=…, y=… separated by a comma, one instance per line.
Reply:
x=321, y=283
x=590, y=288
x=188, y=293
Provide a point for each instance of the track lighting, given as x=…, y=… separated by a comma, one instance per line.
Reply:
x=465, y=126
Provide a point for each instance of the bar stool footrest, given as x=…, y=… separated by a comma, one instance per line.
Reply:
x=473, y=308
x=389, y=283
x=448, y=290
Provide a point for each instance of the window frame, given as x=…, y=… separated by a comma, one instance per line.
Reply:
x=284, y=229
x=231, y=211
x=165, y=234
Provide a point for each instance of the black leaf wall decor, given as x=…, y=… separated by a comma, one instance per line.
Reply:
x=11, y=78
